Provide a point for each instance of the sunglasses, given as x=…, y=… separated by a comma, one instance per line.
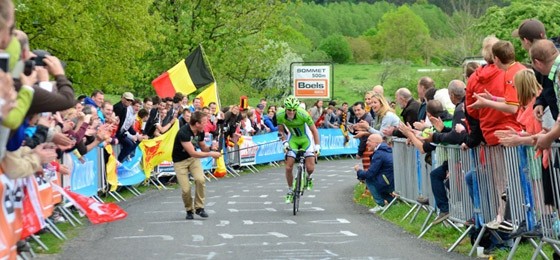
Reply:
x=290, y=110
x=130, y=100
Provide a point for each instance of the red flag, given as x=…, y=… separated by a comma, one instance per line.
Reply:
x=32, y=216
x=96, y=212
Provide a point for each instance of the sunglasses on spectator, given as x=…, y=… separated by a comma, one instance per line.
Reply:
x=130, y=100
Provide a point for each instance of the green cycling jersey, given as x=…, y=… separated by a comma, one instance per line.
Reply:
x=296, y=126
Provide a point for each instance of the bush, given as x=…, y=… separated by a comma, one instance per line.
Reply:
x=337, y=48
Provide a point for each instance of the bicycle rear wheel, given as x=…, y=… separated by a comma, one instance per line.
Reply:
x=297, y=190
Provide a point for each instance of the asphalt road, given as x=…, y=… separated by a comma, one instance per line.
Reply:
x=249, y=220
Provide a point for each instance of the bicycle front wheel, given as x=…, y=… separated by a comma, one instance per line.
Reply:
x=297, y=190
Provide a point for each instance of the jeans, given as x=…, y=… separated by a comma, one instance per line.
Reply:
x=127, y=146
x=378, y=197
x=437, y=178
x=469, y=179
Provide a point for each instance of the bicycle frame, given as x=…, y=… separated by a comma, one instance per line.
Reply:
x=300, y=179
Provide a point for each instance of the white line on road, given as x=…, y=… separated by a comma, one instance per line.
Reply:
x=275, y=234
x=195, y=222
x=286, y=221
x=249, y=202
x=243, y=196
x=246, y=210
x=332, y=234
x=337, y=221
x=164, y=237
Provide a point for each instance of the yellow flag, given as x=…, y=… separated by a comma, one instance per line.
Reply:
x=158, y=149
x=210, y=94
x=111, y=168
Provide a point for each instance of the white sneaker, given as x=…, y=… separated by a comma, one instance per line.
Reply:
x=376, y=209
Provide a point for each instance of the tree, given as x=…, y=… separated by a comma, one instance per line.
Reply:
x=337, y=48
x=235, y=34
x=98, y=40
x=401, y=35
x=502, y=21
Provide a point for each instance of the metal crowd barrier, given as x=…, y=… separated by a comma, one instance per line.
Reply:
x=514, y=173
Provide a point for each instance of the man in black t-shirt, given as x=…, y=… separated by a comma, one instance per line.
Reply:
x=187, y=159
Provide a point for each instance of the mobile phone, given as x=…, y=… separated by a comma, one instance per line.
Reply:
x=5, y=61
x=29, y=67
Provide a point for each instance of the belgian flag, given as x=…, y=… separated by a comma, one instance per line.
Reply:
x=186, y=77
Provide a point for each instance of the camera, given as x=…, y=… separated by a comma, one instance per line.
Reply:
x=39, y=60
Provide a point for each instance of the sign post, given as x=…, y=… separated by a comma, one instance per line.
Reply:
x=312, y=80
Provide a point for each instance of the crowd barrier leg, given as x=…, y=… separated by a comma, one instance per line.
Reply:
x=66, y=216
x=463, y=235
x=38, y=241
x=538, y=249
x=69, y=216
x=430, y=213
x=112, y=194
x=52, y=228
x=133, y=190
x=393, y=201
x=153, y=180
x=410, y=211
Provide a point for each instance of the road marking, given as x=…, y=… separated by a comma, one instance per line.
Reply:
x=241, y=196
x=336, y=242
x=174, y=211
x=311, y=196
x=197, y=238
x=210, y=204
x=275, y=234
x=332, y=234
x=307, y=209
x=337, y=221
x=205, y=246
x=223, y=223
x=164, y=237
x=195, y=222
x=308, y=203
x=286, y=221
x=246, y=210
x=249, y=202
x=254, y=244
x=209, y=256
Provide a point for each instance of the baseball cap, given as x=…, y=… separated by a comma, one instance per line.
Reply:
x=530, y=29
x=128, y=95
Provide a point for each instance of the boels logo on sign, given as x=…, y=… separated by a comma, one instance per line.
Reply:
x=311, y=81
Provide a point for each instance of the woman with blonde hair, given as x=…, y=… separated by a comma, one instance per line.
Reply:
x=384, y=118
x=527, y=90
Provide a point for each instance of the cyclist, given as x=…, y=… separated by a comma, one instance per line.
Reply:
x=297, y=132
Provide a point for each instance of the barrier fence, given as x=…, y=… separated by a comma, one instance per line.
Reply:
x=90, y=174
x=485, y=184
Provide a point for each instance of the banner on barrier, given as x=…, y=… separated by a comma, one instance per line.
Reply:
x=332, y=143
x=247, y=151
x=130, y=172
x=269, y=148
x=83, y=179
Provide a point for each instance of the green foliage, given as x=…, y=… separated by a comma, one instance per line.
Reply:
x=347, y=19
x=236, y=37
x=402, y=35
x=502, y=21
x=361, y=49
x=436, y=20
x=98, y=40
x=337, y=48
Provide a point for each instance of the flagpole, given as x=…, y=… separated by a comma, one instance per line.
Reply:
x=211, y=72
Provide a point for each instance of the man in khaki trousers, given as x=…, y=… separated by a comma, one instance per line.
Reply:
x=187, y=159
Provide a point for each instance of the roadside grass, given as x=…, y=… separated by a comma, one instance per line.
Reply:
x=439, y=234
